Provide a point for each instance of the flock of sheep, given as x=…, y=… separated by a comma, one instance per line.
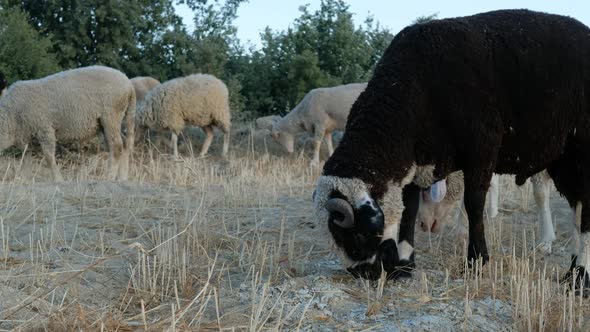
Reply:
x=450, y=103
x=77, y=104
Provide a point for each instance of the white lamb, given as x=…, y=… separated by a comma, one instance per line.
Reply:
x=431, y=215
x=195, y=100
x=72, y=105
x=321, y=111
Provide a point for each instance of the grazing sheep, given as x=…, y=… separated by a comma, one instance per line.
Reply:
x=431, y=215
x=195, y=100
x=266, y=122
x=143, y=85
x=321, y=111
x=362, y=259
x=71, y=106
x=499, y=92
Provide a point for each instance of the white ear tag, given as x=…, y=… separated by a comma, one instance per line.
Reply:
x=438, y=191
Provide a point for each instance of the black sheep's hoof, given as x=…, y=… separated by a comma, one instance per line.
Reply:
x=578, y=280
x=474, y=253
x=404, y=269
x=366, y=271
x=395, y=268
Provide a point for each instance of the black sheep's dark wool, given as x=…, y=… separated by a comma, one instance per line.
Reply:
x=506, y=91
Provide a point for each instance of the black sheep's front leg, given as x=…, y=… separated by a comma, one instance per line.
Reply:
x=476, y=187
x=405, y=247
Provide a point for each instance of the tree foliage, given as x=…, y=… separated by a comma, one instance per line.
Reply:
x=146, y=37
x=24, y=54
x=323, y=48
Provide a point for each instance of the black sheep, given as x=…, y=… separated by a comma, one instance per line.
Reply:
x=503, y=91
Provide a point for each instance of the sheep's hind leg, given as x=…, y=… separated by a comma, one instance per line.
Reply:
x=542, y=192
x=492, y=197
x=318, y=135
x=48, y=147
x=578, y=275
x=226, y=140
x=208, y=139
x=174, y=143
x=329, y=143
x=476, y=186
x=114, y=142
x=570, y=178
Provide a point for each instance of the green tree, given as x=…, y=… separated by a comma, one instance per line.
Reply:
x=24, y=54
x=146, y=37
x=323, y=48
x=109, y=32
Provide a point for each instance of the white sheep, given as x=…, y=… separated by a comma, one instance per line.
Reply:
x=195, y=100
x=266, y=122
x=143, y=85
x=431, y=215
x=321, y=111
x=72, y=105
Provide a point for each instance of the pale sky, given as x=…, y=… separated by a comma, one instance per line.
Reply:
x=255, y=15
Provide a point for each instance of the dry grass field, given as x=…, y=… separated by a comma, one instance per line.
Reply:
x=231, y=244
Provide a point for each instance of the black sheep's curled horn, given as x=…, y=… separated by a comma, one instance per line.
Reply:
x=344, y=208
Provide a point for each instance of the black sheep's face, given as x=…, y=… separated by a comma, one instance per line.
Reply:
x=354, y=220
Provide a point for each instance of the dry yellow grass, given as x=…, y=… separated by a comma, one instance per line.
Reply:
x=232, y=245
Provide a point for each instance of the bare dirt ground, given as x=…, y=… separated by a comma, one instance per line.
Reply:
x=231, y=244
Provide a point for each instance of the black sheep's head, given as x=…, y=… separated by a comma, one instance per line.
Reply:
x=354, y=220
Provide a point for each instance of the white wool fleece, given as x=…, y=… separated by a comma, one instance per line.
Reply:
x=198, y=100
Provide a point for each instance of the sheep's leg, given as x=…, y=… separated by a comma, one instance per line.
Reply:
x=405, y=247
x=208, y=139
x=492, y=197
x=462, y=231
x=174, y=143
x=328, y=138
x=568, y=174
x=48, y=148
x=542, y=191
x=318, y=135
x=317, y=143
x=579, y=270
x=226, y=140
x=114, y=142
x=476, y=186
